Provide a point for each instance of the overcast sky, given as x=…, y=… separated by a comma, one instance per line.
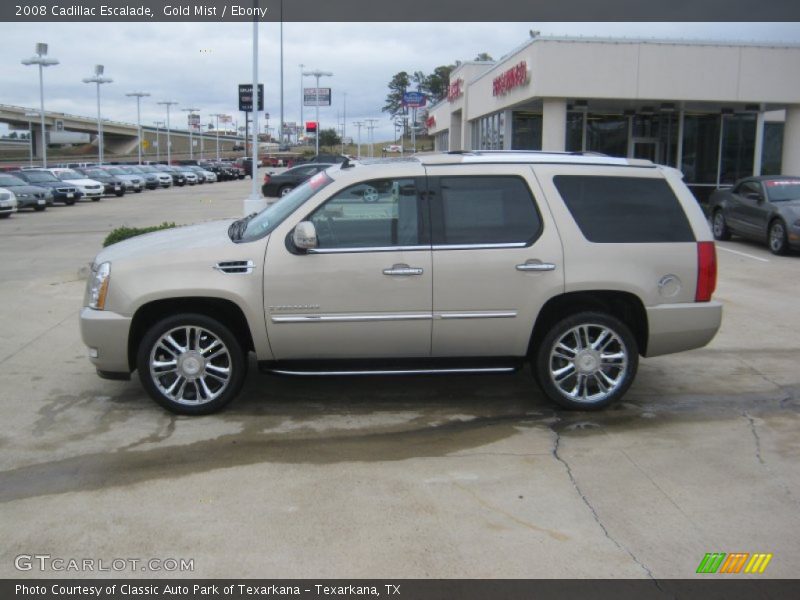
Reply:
x=200, y=64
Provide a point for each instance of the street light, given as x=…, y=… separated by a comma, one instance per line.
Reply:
x=168, y=103
x=218, y=115
x=158, y=125
x=317, y=74
x=98, y=79
x=30, y=115
x=191, y=143
x=302, y=102
x=139, y=96
x=41, y=60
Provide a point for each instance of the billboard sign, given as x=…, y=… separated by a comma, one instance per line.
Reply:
x=246, y=97
x=414, y=99
x=193, y=122
x=316, y=96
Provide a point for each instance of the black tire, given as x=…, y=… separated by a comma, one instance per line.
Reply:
x=284, y=189
x=719, y=226
x=5, y=215
x=235, y=360
x=69, y=202
x=119, y=194
x=587, y=363
x=96, y=199
x=139, y=191
x=777, y=239
x=38, y=208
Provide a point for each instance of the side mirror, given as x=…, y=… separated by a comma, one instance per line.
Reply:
x=305, y=235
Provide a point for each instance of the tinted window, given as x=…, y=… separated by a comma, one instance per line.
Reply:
x=487, y=210
x=749, y=187
x=10, y=180
x=624, y=209
x=372, y=214
x=782, y=190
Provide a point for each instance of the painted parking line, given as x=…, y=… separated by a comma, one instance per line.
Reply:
x=743, y=254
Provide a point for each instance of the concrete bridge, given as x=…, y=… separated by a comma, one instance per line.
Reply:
x=119, y=139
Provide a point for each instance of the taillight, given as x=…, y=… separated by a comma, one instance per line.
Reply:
x=706, y=271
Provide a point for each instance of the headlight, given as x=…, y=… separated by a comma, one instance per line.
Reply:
x=23, y=195
x=99, y=286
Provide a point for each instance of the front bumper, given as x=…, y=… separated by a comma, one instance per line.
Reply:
x=679, y=327
x=106, y=334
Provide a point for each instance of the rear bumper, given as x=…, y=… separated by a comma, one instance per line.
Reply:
x=679, y=327
x=106, y=335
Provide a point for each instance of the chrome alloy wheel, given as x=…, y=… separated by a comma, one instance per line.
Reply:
x=588, y=363
x=719, y=224
x=190, y=365
x=777, y=235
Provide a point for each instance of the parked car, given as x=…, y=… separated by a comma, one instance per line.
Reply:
x=191, y=177
x=133, y=183
x=323, y=158
x=764, y=209
x=574, y=264
x=8, y=203
x=283, y=183
x=111, y=184
x=178, y=177
x=91, y=189
x=221, y=171
x=62, y=192
x=164, y=178
x=151, y=181
x=206, y=175
x=28, y=196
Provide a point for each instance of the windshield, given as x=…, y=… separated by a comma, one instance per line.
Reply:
x=40, y=176
x=147, y=169
x=96, y=173
x=272, y=216
x=783, y=190
x=10, y=180
x=116, y=171
x=66, y=175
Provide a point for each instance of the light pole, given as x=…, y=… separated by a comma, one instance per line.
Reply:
x=255, y=202
x=218, y=115
x=98, y=79
x=168, y=103
x=280, y=133
x=302, y=102
x=138, y=96
x=371, y=128
x=30, y=115
x=317, y=74
x=158, y=124
x=359, y=125
x=41, y=60
x=189, y=112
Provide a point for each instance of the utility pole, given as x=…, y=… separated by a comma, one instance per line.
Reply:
x=302, y=101
x=371, y=129
x=189, y=112
x=359, y=125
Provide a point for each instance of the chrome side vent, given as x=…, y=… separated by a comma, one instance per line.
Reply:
x=235, y=267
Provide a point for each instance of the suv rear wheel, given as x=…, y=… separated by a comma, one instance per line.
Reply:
x=586, y=361
x=191, y=364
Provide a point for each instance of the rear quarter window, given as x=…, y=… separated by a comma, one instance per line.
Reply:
x=612, y=210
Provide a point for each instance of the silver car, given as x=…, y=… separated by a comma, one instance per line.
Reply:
x=468, y=263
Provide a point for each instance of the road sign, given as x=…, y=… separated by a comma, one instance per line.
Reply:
x=246, y=97
x=414, y=99
x=145, y=144
x=311, y=126
x=316, y=96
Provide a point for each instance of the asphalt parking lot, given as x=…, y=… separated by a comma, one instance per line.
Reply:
x=448, y=476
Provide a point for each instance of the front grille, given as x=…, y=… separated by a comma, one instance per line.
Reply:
x=66, y=190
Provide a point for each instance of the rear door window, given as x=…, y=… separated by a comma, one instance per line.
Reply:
x=485, y=210
x=624, y=209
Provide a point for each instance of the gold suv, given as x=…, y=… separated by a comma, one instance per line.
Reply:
x=461, y=262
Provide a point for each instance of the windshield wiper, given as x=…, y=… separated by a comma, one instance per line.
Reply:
x=237, y=228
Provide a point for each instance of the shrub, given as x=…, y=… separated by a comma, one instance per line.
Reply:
x=123, y=233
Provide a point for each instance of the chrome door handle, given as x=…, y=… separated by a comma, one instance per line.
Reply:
x=402, y=270
x=536, y=266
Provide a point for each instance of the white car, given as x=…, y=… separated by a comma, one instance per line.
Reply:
x=8, y=203
x=90, y=188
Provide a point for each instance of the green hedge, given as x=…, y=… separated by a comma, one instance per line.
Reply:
x=123, y=233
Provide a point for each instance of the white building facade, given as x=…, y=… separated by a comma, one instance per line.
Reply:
x=717, y=111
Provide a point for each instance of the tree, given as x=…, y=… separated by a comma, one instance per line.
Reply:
x=484, y=57
x=397, y=87
x=436, y=83
x=329, y=138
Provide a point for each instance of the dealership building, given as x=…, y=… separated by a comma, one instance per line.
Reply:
x=718, y=111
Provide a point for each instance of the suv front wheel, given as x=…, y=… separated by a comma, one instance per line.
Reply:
x=586, y=361
x=191, y=364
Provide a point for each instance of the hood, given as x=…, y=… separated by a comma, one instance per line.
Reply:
x=27, y=189
x=82, y=182
x=172, y=244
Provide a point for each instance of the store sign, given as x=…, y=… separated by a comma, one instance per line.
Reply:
x=316, y=96
x=430, y=122
x=246, y=97
x=515, y=77
x=194, y=122
x=455, y=90
x=414, y=99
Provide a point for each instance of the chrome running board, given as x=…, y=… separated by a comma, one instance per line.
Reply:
x=391, y=372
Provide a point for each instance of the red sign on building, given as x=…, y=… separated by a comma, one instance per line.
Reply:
x=507, y=81
x=430, y=122
x=455, y=90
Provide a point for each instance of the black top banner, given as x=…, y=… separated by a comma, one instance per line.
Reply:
x=398, y=10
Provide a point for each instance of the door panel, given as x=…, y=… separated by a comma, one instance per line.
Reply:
x=365, y=292
x=490, y=281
